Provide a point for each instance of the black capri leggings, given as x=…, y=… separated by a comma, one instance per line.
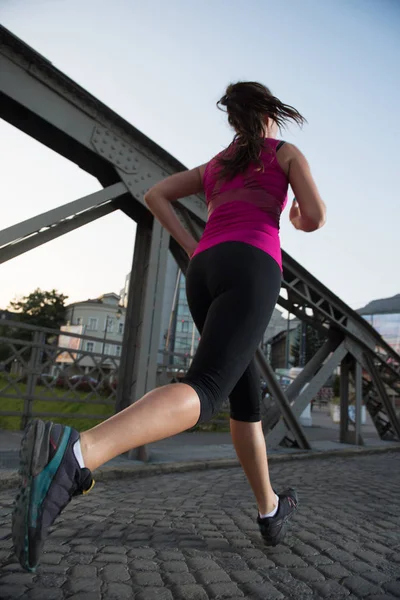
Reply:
x=232, y=289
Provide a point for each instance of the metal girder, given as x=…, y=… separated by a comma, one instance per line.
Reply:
x=375, y=397
x=24, y=236
x=302, y=379
x=284, y=404
x=140, y=343
x=280, y=430
x=43, y=102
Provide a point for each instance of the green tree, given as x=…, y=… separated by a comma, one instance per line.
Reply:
x=40, y=308
x=314, y=341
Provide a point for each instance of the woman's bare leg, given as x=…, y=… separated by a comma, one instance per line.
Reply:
x=249, y=442
x=163, y=412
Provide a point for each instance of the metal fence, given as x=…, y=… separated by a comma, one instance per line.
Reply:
x=48, y=373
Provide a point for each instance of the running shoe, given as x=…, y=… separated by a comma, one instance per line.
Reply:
x=273, y=529
x=51, y=476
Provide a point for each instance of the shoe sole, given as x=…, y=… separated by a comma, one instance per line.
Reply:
x=281, y=535
x=32, y=466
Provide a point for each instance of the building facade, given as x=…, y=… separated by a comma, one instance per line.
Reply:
x=101, y=318
x=384, y=316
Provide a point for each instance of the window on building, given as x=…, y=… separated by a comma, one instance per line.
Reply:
x=89, y=346
x=109, y=324
x=120, y=328
x=118, y=351
x=79, y=321
x=107, y=349
x=185, y=327
x=93, y=324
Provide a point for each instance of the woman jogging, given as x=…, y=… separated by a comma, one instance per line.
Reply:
x=233, y=283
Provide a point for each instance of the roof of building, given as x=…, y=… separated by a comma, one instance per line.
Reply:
x=100, y=300
x=382, y=306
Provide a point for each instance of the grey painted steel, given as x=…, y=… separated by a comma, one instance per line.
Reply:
x=302, y=379
x=65, y=109
x=279, y=432
x=344, y=400
x=20, y=246
x=358, y=392
x=311, y=368
x=279, y=395
x=46, y=104
x=49, y=218
x=375, y=397
x=151, y=319
x=382, y=393
x=138, y=369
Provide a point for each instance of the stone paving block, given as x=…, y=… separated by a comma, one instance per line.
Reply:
x=146, y=553
x=86, y=549
x=175, y=566
x=377, y=576
x=190, y=592
x=360, y=586
x=115, y=573
x=304, y=550
x=307, y=574
x=143, y=565
x=11, y=592
x=331, y=590
x=340, y=555
x=86, y=596
x=118, y=591
x=369, y=556
x=224, y=590
x=148, y=578
x=170, y=555
x=82, y=571
x=297, y=589
x=319, y=559
x=322, y=544
x=288, y=560
x=208, y=577
x=247, y=576
x=262, y=591
x=393, y=587
x=382, y=596
x=202, y=564
x=51, y=558
x=111, y=558
x=335, y=571
x=59, y=548
x=357, y=566
x=51, y=580
x=93, y=584
x=179, y=578
x=18, y=579
x=154, y=594
x=40, y=593
x=113, y=550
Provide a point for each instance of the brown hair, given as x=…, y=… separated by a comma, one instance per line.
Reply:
x=247, y=104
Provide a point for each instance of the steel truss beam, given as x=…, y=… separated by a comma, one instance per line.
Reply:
x=48, y=226
x=44, y=103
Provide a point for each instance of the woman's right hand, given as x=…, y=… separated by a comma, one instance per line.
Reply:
x=294, y=211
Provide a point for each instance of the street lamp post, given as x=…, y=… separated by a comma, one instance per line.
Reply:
x=118, y=316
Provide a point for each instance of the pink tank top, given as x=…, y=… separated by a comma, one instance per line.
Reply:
x=246, y=208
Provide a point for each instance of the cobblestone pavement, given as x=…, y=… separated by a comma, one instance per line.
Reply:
x=193, y=536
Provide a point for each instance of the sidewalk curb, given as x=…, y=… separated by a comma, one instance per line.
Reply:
x=10, y=479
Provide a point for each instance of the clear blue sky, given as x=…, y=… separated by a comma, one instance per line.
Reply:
x=162, y=65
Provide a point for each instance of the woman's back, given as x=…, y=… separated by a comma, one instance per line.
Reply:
x=246, y=207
